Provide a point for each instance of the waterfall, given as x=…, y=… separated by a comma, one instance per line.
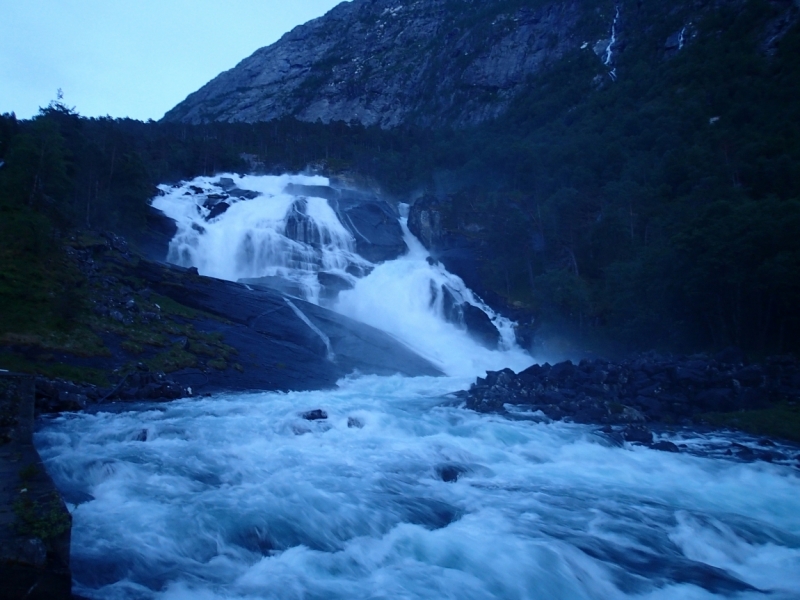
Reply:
x=243, y=228
x=609, y=53
x=268, y=230
x=411, y=297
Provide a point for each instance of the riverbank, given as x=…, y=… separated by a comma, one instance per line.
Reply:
x=639, y=399
x=35, y=525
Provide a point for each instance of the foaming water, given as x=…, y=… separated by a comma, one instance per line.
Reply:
x=294, y=238
x=275, y=234
x=404, y=298
x=400, y=493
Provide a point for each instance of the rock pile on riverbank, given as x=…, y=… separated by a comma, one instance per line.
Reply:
x=631, y=396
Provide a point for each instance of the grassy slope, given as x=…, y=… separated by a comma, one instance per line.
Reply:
x=48, y=324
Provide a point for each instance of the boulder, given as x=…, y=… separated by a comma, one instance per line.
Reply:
x=218, y=209
x=472, y=318
x=315, y=415
x=332, y=284
x=158, y=232
x=480, y=326
x=377, y=232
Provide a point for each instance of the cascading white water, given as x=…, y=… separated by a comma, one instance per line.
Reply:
x=609, y=53
x=404, y=297
x=249, y=240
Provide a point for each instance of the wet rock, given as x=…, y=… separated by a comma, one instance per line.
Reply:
x=276, y=283
x=464, y=314
x=743, y=452
x=450, y=473
x=376, y=230
x=480, y=326
x=665, y=446
x=638, y=434
x=332, y=284
x=218, y=209
x=243, y=194
x=355, y=423
x=315, y=415
x=451, y=306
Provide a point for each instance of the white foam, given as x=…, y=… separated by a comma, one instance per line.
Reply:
x=403, y=298
x=249, y=239
x=238, y=497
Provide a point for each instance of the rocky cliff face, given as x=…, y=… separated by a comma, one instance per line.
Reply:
x=432, y=62
x=389, y=62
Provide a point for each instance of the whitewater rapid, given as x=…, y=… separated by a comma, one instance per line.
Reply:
x=400, y=493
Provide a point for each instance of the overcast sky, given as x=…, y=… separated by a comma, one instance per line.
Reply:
x=131, y=58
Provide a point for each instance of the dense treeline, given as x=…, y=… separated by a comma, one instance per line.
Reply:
x=660, y=209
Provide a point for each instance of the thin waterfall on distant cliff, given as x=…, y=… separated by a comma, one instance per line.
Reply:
x=282, y=233
x=609, y=54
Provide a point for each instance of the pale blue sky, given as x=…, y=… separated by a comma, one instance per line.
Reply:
x=137, y=58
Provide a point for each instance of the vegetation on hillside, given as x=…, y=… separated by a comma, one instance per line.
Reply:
x=661, y=209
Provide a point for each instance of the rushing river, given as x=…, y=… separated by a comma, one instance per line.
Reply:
x=399, y=493
x=240, y=497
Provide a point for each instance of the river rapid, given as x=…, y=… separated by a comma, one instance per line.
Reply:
x=400, y=492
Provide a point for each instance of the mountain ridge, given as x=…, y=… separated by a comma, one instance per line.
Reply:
x=442, y=62
x=387, y=63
